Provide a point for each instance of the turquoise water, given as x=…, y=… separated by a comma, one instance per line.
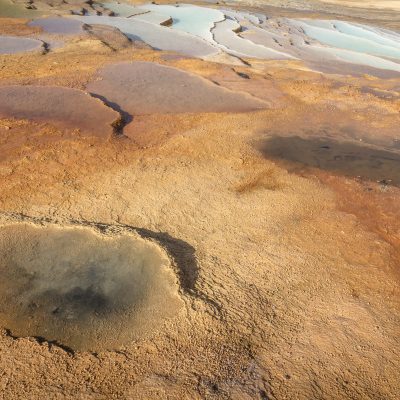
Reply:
x=232, y=43
x=351, y=37
x=378, y=36
x=124, y=10
x=361, y=59
x=159, y=37
x=141, y=13
x=200, y=31
x=195, y=20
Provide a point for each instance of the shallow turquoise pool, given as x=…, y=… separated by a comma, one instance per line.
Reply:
x=191, y=19
x=352, y=37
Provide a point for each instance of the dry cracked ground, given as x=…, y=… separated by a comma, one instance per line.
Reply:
x=212, y=232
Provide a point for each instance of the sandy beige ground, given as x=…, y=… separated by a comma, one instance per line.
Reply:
x=294, y=290
x=382, y=4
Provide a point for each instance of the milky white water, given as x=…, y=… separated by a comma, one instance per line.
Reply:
x=352, y=37
x=195, y=20
x=203, y=32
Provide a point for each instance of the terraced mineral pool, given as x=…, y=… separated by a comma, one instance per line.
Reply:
x=59, y=26
x=359, y=58
x=139, y=13
x=141, y=88
x=195, y=20
x=225, y=35
x=154, y=18
x=358, y=38
x=270, y=37
x=157, y=36
x=13, y=45
x=244, y=17
x=83, y=289
x=124, y=10
x=203, y=32
x=63, y=107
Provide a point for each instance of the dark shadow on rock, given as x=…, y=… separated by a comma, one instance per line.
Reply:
x=41, y=340
x=347, y=158
x=241, y=74
x=126, y=118
x=184, y=257
x=182, y=252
